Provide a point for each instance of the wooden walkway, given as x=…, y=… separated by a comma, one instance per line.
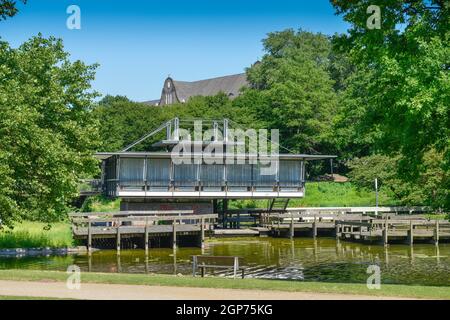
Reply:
x=140, y=224
x=392, y=228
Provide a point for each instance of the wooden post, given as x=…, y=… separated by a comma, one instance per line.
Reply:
x=89, y=244
x=118, y=237
x=385, y=231
x=194, y=266
x=174, y=231
x=336, y=227
x=202, y=233
x=314, y=228
x=360, y=228
x=411, y=233
x=292, y=227
x=146, y=236
x=235, y=267
x=436, y=233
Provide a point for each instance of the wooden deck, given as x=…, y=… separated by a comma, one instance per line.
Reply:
x=141, y=224
x=358, y=227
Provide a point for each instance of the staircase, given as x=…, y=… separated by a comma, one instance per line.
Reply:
x=277, y=204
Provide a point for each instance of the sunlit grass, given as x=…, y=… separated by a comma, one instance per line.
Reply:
x=327, y=194
x=101, y=204
x=30, y=234
x=390, y=290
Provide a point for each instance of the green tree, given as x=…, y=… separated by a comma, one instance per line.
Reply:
x=47, y=132
x=408, y=93
x=293, y=89
x=123, y=121
x=8, y=8
x=429, y=188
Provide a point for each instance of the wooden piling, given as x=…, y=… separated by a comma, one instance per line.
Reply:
x=118, y=237
x=89, y=242
x=146, y=235
x=314, y=228
x=436, y=233
x=202, y=233
x=336, y=227
x=385, y=232
x=174, y=234
x=411, y=233
x=291, y=233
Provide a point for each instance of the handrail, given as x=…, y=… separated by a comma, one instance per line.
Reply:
x=122, y=213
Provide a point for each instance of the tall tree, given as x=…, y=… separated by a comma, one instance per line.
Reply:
x=408, y=59
x=294, y=90
x=47, y=132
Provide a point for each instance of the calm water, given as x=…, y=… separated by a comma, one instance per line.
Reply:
x=301, y=259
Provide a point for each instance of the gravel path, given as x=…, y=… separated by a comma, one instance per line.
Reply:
x=141, y=292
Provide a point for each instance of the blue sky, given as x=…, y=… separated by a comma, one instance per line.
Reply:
x=138, y=43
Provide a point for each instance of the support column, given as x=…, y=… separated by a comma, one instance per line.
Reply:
x=174, y=234
x=118, y=238
x=436, y=233
x=336, y=228
x=89, y=239
x=146, y=236
x=292, y=230
x=385, y=232
x=314, y=228
x=202, y=233
x=410, y=233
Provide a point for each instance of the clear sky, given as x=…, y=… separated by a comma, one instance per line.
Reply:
x=138, y=43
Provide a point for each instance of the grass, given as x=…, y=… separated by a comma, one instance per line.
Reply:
x=30, y=234
x=327, y=194
x=101, y=204
x=390, y=290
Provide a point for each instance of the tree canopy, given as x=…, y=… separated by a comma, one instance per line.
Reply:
x=47, y=131
x=406, y=65
x=8, y=8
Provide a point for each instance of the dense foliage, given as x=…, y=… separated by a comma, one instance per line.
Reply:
x=397, y=101
x=47, y=132
x=8, y=8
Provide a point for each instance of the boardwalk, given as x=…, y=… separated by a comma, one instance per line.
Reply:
x=141, y=224
x=393, y=228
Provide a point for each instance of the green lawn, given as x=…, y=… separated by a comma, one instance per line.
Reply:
x=429, y=292
x=101, y=204
x=30, y=234
x=327, y=194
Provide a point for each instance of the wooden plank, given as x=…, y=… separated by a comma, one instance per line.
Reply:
x=121, y=213
x=149, y=218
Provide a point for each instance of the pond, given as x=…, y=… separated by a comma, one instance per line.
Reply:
x=302, y=259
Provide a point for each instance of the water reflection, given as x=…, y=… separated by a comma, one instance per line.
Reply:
x=322, y=259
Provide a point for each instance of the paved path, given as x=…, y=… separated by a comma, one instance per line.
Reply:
x=141, y=292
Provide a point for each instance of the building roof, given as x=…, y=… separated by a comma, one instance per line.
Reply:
x=152, y=102
x=183, y=90
x=282, y=156
x=230, y=85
